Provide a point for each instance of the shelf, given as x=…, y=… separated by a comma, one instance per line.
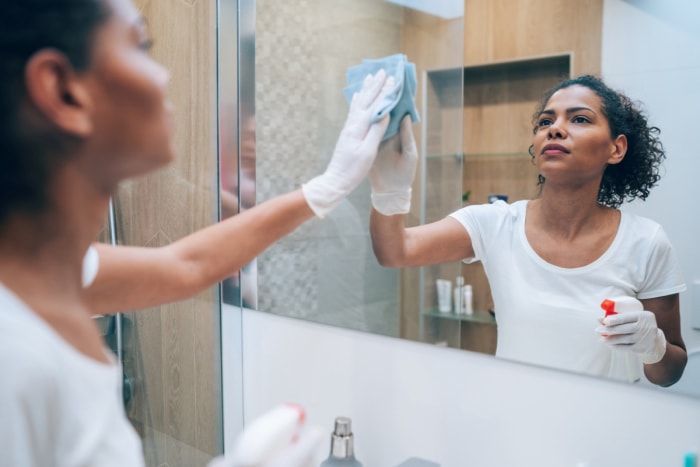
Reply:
x=457, y=157
x=524, y=66
x=483, y=317
x=476, y=136
x=486, y=155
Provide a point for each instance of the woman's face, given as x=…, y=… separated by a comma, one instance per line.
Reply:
x=132, y=117
x=572, y=139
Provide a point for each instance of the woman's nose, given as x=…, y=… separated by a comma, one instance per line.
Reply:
x=556, y=130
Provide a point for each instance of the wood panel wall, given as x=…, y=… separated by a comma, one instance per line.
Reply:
x=495, y=31
x=498, y=30
x=498, y=107
x=172, y=352
x=431, y=43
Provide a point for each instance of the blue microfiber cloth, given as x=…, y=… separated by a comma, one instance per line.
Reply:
x=400, y=101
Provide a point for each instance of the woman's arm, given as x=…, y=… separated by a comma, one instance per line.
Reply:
x=667, y=312
x=438, y=242
x=132, y=278
x=391, y=178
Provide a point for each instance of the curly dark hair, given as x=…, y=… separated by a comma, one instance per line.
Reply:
x=26, y=27
x=639, y=170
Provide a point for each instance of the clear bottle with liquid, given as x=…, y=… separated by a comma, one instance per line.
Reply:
x=342, y=445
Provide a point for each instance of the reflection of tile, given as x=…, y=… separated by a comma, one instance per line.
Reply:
x=302, y=52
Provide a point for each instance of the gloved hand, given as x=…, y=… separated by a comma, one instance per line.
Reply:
x=393, y=171
x=278, y=438
x=635, y=331
x=300, y=454
x=355, y=150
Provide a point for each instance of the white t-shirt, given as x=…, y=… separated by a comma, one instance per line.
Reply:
x=58, y=407
x=547, y=314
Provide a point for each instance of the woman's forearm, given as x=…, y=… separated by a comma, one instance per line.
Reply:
x=388, y=239
x=132, y=278
x=670, y=369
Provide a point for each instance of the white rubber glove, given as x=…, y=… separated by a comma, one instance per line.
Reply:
x=302, y=453
x=355, y=150
x=278, y=438
x=393, y=172
x=636, y=332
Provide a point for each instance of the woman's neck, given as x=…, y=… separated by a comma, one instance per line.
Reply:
x=44, y=251
x=568, y=212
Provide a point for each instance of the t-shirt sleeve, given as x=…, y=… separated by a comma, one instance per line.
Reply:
x=663, y=272
x=91, y=264
x=481, y=221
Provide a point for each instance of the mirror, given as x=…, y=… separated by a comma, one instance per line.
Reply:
x=481, y=71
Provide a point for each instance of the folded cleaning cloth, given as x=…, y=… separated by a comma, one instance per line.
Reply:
x=400, y=101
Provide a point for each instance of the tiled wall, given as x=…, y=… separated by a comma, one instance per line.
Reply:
x=326, y=270
x=649, y=54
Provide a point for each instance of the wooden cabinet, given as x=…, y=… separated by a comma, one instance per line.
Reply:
x=494, y=105
x=500, y=100
x=476, y=127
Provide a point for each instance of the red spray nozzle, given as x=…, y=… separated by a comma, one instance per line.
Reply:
x=609, y=307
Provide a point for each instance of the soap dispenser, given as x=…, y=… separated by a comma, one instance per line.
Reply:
x=342, y=450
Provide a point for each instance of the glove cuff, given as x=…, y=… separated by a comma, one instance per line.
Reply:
x=389, y=204
x=321, y=195
x=659, y=351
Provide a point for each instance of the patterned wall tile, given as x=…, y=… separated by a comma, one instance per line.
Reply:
x=303, y=49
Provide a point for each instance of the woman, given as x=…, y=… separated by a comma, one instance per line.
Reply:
x=552, y=260
x=83, y=107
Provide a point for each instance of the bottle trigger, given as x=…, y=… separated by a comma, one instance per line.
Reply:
x=609, y=307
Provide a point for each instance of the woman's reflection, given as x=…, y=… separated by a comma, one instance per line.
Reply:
x=552, y=260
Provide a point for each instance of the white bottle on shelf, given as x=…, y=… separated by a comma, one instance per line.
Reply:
x=458, y=300
x=467, y=299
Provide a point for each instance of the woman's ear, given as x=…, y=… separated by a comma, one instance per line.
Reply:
x=55, y=90
x=619, y=146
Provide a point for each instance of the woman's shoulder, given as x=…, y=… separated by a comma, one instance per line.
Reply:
x=641, y=233
x=638, y=224
x=498, y=208
x=490, y=218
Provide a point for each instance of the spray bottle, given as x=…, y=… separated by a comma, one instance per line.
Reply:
x=614, y=306
x=275, y=439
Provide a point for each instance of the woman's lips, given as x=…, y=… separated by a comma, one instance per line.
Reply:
x=554, y=149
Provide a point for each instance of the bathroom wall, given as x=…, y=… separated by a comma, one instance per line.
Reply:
x=465, y=409
x=498, y=30
x=650, y=52
x=325, y=271
x=172, y=352
x=457, y=408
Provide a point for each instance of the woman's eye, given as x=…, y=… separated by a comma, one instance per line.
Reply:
x=580, y=119
x=544, y=122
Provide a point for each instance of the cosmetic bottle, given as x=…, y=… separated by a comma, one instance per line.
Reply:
x=444, y=293
x=458, y=300
x=467, y=299
x=342, y=449
x=690, y=460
